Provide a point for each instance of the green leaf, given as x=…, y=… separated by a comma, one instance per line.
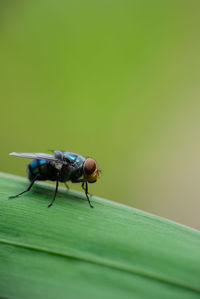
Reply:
x=73, y=251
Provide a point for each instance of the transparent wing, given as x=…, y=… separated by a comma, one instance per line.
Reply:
x=37, y=156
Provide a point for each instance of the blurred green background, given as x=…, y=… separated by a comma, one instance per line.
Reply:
x=114, y=80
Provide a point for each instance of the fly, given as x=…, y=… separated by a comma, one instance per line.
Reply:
x=60, y=167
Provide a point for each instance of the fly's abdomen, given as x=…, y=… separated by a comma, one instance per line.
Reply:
x=41, y=168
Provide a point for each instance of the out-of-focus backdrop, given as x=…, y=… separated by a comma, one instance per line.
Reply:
x=115, y=80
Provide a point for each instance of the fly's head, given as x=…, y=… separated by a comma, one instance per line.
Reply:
x=90, y=170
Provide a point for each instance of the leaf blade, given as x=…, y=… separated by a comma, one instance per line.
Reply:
x=111, y=236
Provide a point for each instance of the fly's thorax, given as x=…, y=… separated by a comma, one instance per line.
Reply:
x=90, y=170
x=56, y=165
x=77, y=168
x=72, y=170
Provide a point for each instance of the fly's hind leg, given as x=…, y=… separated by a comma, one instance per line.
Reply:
x=28, y=189
x=54, y=197
x=66, y=185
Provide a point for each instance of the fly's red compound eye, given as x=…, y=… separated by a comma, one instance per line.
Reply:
x=90, y=166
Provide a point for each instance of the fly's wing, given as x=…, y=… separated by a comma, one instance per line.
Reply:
x=37, y=156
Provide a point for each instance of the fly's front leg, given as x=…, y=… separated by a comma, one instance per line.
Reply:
x=54, y=197
x=86, y=193
x=85, y=188
x=28, y=189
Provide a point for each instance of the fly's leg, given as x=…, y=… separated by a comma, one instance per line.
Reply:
x=83, y=181
x=54, y=197
x=66, y=185
x=83, y=187
x=86, y=193
x=28, y=189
